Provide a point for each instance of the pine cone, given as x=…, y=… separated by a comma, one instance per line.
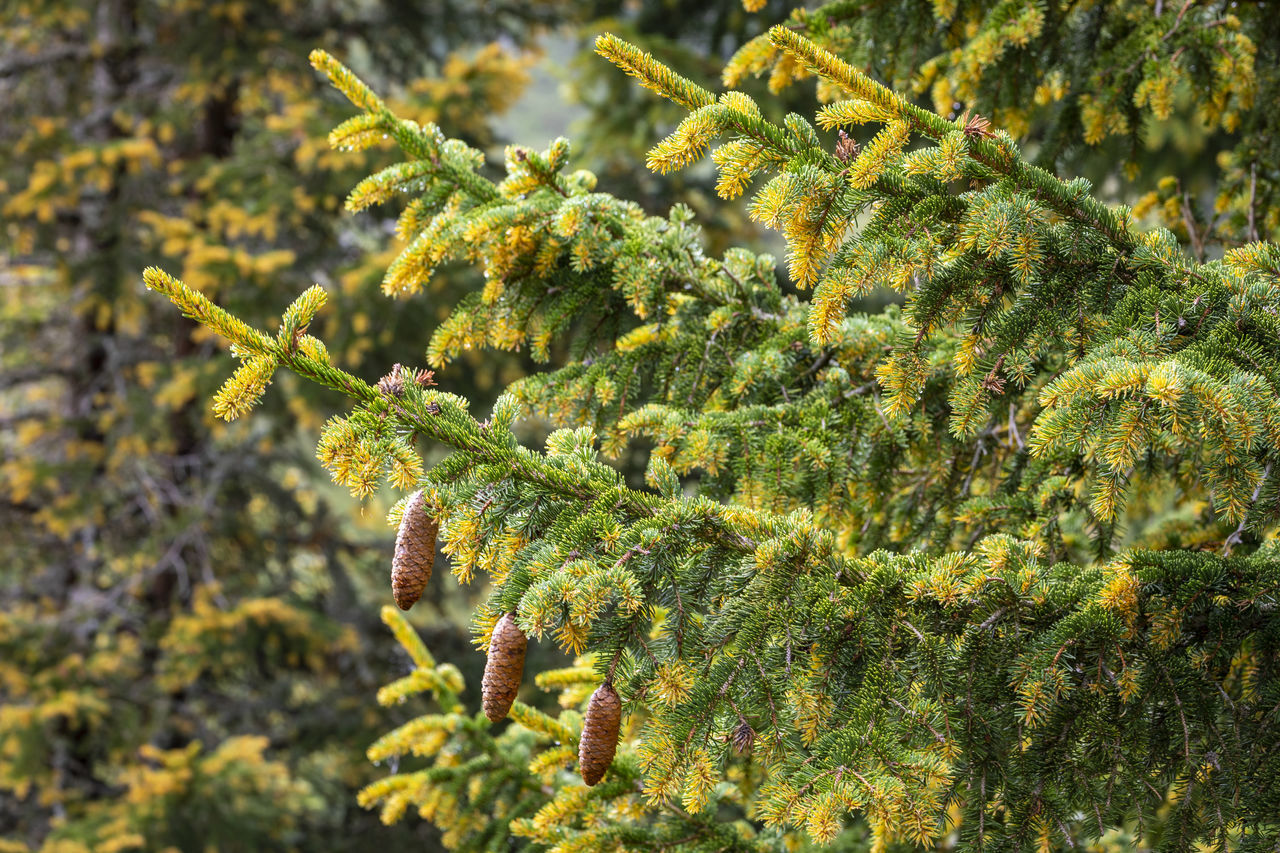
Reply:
x=846, y=147
x=505, y=668
x=415, y=552
x=599, y=733
x=392, y=385
x=744, y=737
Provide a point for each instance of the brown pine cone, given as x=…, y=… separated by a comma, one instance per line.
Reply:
x=415, y=552
x=599, y=733
x=505, y=668
x=744, y=737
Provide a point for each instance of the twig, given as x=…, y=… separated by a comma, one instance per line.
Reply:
x=1189, y=220
x=1253, y=199
x=1235, y=538
x=1013, y=425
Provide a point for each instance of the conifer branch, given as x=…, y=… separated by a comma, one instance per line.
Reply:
x=999, y=156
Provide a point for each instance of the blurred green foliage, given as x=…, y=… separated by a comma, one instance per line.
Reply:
x=183, y=652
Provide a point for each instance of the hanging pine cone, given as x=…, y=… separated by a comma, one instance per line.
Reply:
x=744, y=737
x=599, y=733
x=415, y=552
x=505, y=668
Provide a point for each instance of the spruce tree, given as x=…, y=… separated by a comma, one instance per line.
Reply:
x=992, y=568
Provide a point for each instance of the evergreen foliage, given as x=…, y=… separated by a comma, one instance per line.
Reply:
x=994, y=568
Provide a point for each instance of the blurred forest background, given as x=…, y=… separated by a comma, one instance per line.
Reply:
x=189, y=631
